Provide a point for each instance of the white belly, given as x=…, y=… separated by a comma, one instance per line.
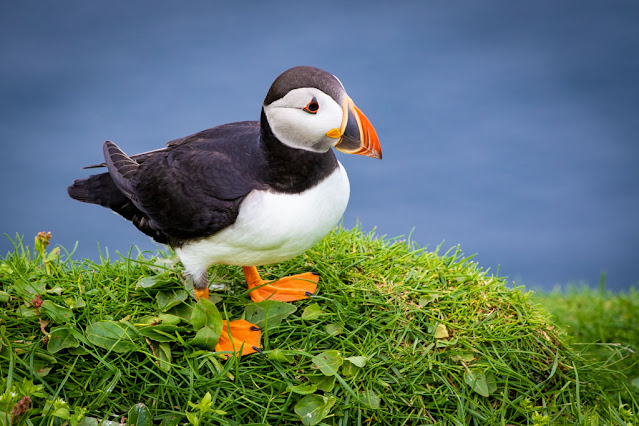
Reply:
x=272, y=227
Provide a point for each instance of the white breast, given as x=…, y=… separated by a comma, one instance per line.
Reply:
x=272, y=227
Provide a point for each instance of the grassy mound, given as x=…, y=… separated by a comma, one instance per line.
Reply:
x=603, y=325
x=395, y=336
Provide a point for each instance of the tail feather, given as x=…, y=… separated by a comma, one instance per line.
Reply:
x=101, y=189
x=97, y=189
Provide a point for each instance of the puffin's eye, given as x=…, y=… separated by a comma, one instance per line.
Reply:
x=312, y=107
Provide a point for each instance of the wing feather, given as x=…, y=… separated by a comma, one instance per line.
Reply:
x=121, y=168
x=190, y=189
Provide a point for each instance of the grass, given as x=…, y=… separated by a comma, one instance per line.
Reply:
x=396, y=335
x=599, y=322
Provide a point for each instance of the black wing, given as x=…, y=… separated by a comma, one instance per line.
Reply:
x=190, y=189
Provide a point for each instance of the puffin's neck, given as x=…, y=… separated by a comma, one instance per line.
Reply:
x=290, y=169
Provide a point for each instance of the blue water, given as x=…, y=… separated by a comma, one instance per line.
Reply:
x=508, y=128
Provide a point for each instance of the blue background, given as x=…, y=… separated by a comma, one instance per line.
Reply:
x=510, y=128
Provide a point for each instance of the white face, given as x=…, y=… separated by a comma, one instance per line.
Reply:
x=303, y=128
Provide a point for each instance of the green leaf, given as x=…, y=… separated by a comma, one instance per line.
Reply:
x=312, y=312
x=443, y=343
x=161, y=264
x=182, y=310
x=57, y=313
x=23, y=286
x=168, y=299
x=42, y=371
x=170, y=420
x=323, y=383
x=168, y=319
x=25, y=312
x=61, y=338
x=148, y=320
x=268, y=313
x=111, y=335
x=42, y=364
x=462, y=357
x=312, y=409
x=5, y=270
x=154, y=282
x=57, y=290
x=328, y=362
x=206, y=338
x=193, y=418
x=359, y=361
x=205, y=314
x=75, y=302
x=425, y=300
x=349, y=370
x=92, y=421
x=334, y=329
x=163, y=351
x=205, y=405
x=4, y=297
x=354, y=364
x=481, y=382
x=63, y=413
x=160, y=333
x=279, y=356
x=28, y=388
x=139, y=415
x=53, y=255
x=162, y=319
x=370, y=398
x=306, y=389
x=441, y=332
x=45, y=357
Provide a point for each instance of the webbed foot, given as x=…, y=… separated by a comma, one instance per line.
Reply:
x=244, y=337
x=287, y=289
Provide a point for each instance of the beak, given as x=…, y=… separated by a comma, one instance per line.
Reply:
x=357, y=133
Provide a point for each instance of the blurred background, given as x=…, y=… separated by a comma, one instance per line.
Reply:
x=508, y=128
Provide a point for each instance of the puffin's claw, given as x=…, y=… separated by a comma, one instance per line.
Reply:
x=244, y=337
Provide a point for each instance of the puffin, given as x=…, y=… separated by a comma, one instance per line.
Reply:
x=246, y=194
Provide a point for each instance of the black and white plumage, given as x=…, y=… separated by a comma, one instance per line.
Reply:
x=246, y=193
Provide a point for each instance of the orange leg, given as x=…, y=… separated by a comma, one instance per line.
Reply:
x=201, y=294
x=244, y=337
x=201, y=285
x=287, y=289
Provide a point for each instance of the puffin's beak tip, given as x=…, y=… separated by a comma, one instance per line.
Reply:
x=358, y=134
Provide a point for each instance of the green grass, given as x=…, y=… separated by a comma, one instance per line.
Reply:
x=396, y=335
x=603, y=324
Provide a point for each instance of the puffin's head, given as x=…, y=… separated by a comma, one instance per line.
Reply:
x=308, y=108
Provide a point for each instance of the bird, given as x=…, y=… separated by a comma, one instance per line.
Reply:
x=247, y=193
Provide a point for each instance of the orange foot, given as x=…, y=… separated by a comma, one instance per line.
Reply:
x=287, y=289
x=245, y=337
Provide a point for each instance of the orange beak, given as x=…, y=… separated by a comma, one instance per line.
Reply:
x=357, y=135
